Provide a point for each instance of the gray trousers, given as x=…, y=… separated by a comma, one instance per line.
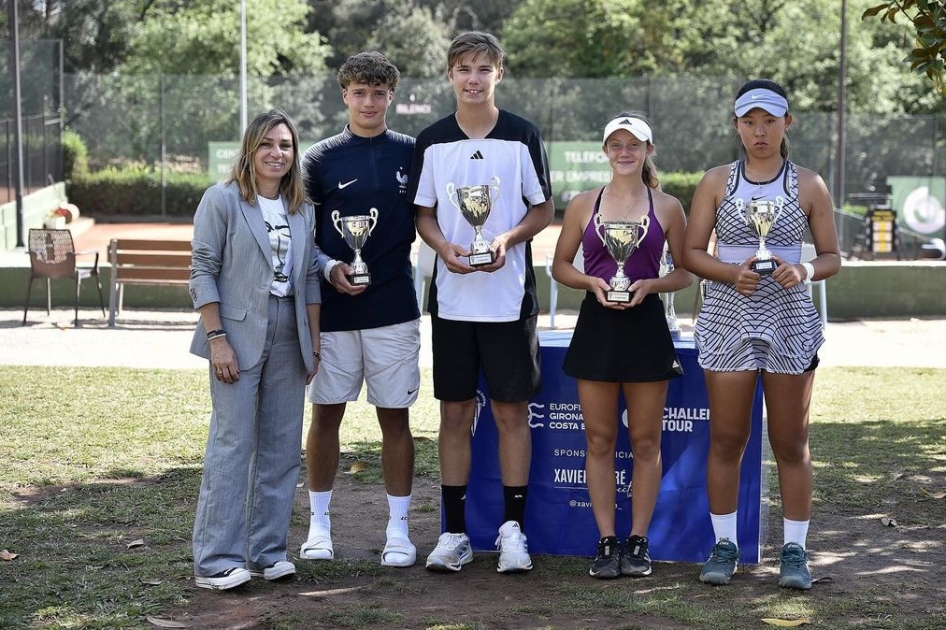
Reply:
x=251, y=465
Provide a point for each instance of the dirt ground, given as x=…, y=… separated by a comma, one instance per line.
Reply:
x=850, y=551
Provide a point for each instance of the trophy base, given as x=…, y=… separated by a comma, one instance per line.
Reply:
x=359, y=279
x=764, y=267
x=485, y=258
x=619, y=297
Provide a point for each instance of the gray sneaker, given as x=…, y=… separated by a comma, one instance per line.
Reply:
x=451, y=553
x=794, y=571
x=722, y=563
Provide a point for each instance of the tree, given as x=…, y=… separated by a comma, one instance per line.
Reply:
x=928, y=18
x=204, y=37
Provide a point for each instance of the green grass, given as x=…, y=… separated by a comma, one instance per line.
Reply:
x=93, y=459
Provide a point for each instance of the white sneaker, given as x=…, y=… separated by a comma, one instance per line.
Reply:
x=224, y=580
x=278, y=571
x=513, y=549
x=451, y=553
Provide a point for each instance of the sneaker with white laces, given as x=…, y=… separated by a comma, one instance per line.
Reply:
x=513, y=549
x=451, y=553
x=281, y=570
x=225, y=580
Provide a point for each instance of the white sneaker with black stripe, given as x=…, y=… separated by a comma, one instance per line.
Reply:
x=513, y=549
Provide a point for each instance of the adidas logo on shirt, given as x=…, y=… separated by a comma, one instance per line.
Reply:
x=476, y=156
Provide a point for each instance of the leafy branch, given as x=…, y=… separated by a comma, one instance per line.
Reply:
x=929, y=21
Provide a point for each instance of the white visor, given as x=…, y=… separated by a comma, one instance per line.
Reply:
x=636, y=126
x=762, y=98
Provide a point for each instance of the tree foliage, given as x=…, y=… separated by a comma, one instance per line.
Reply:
x=928, y=18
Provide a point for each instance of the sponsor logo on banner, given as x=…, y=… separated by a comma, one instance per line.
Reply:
x=480, y=403
x=534, y=415
x=681, y=419
x=565, y=416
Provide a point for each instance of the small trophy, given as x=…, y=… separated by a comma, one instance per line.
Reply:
x=666, y=266
x=356, y=230
x=621, y=238
x=475, y=203
x=761, y=216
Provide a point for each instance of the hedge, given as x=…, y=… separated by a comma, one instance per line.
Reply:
x=137, y=193
x=133, y=193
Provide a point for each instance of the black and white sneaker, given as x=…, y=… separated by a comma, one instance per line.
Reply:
x=635, y=557
x=607, y=562
x=224, y=580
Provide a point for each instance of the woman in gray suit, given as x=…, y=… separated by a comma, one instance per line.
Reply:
x=255, y=280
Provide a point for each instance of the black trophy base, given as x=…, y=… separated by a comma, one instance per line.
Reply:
x=764, y=267
x=359, y=279
x=618, y=297
x=478, y=260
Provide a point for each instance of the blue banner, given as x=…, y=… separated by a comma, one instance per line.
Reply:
x=559, y=519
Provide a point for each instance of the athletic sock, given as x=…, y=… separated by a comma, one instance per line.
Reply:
x=514, y=500
x=795, y=532
x=397, y=521
x=724, y=526
x=454, y=507
x=319, y=521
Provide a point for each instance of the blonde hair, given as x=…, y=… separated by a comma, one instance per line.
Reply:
x=475, y=43
x=244, y=170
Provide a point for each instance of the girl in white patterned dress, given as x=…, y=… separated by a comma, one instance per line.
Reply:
x=760, y=324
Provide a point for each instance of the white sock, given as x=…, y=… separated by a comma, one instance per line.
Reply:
x=320, y=522
x=397, y=521
x=795, y=532
x=724, y=526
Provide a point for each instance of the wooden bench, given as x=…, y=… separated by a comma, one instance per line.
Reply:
x=145, y=262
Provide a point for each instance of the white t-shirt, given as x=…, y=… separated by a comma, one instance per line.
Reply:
x=277, y=227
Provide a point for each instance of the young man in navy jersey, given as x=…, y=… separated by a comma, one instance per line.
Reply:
x=482, y=316
x=370, y=333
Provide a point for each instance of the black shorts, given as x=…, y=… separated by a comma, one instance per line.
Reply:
x=507, y=352
x=629, y=346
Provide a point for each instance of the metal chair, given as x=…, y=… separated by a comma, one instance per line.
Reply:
x=53, y=255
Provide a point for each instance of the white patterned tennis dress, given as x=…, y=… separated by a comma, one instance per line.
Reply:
x=774, y=329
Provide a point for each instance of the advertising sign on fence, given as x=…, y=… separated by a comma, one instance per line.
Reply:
x=921, y=203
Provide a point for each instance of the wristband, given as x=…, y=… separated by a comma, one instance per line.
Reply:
x=327, y=272
x=220, y=332
x=809, y=272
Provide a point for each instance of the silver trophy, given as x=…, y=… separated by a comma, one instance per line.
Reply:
x=621, y=239
x=760, y=216
x=356, y=230
x=475, y=203
x=667, y=266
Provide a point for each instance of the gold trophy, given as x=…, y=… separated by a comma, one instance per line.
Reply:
x=356, y=230
x=760, y=216
x=621, y=239
x=475, y=204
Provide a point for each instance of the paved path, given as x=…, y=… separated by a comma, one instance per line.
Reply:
x=160, y=339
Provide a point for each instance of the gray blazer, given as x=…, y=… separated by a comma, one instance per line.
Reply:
x=232, y=265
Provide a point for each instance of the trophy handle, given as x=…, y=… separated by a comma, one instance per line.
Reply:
x=741, y=209
x=779, y=205
x=337, y=222
x=597, y=221
x=494, y=189
x=452, y=195
x=373, y=213
x=645, y=225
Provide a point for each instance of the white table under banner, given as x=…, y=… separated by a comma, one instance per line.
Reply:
x=559, y=520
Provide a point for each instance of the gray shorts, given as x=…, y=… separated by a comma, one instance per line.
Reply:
x=385, y=358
